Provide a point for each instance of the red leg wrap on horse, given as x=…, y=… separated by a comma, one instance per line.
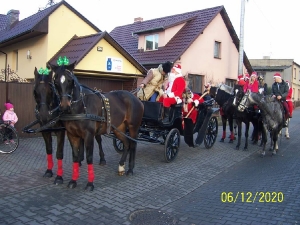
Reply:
x=224, y=135
x=59, y=167
x=75, y=171
x=50, y=161
x=232, y=136
x=91, y=175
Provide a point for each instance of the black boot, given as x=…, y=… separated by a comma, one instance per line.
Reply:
x=166, y=119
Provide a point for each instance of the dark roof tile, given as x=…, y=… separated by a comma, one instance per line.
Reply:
x=196, y=22
x=30, y=23
x=78, y=47
x=3, y=21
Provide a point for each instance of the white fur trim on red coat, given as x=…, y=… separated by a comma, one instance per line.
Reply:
x=196, y=102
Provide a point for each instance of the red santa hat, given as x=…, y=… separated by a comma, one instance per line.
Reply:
x=9, y=106
x=277, y=75
x=177, y=68
x=254, y=74
x=247, y=76
x=241, y=76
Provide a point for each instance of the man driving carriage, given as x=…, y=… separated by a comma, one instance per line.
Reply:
x=152, y=83
x=280, y=91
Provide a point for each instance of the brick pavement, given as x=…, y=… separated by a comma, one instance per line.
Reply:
x=188, y=189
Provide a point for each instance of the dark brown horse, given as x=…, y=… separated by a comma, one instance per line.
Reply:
x=88, y=113
x=47, y=103
x=47, y=109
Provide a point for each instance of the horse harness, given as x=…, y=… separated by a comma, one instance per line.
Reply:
x=87, y=116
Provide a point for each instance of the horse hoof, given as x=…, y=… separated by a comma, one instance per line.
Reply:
x=72, y=184
x=121, y=173
x=222, y=140
x=230, y=141
x=237, y=147
x=129, y=172
x=89, y=186
x=58, y=180
x=245, y=149
x=102, y=163
x=274, y=152
x=48, y=173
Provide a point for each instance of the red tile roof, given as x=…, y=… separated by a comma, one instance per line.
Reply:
x=197, y=21
x=35, y=23
x=78, y=47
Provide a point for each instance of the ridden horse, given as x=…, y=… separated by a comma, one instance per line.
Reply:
x=272, y=115
x=47, y=103
x=88, y=113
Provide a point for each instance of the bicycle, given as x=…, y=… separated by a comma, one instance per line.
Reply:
x=9, y=138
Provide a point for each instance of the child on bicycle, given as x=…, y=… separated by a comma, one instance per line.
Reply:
x=10, y=117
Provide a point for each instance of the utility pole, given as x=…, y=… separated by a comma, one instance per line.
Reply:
x=241, y=45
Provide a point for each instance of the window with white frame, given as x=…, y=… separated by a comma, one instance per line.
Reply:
x=217, y=50
x=151, y=42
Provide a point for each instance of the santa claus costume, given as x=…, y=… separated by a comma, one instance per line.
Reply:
x=173, y=92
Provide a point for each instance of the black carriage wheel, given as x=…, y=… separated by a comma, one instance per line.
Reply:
x=118, y=145
x=211, y=132
x=9, y=139
x=172, y=144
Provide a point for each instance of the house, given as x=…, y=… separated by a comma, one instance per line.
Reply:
x=35, y=40
x=204, y=42
x=288, y=69
x=59, y=30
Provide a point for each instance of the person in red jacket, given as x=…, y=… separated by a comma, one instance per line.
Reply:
x=252, y=85
x=173, y=92
x=241, y=80
x=190, y=103
x=289, y=99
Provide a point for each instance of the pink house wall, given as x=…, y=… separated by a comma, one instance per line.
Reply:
x=199, y=57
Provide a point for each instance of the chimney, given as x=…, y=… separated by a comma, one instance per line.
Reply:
x=12, y=18
x=138, y=19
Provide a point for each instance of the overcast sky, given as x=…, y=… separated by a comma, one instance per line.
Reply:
x=270, y=27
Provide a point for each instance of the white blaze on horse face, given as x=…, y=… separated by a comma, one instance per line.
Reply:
x=62, y=79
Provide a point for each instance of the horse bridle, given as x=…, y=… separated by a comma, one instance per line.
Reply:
x=242, y=105
x=50, y=112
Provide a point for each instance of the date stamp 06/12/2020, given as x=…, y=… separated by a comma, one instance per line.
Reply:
x=251, y=197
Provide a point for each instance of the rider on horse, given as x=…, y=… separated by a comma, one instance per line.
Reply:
x=280, y=90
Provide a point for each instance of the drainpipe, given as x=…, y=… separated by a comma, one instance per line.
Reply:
x=241, y=44
x=5, y=74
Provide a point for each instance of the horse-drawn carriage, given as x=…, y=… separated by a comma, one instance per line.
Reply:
x=152, y=129
x=88, y=114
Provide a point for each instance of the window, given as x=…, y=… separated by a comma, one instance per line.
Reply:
x=217, y=50
x=195, y=83
x=230, y=82
x=151, y=42
x=294, y=73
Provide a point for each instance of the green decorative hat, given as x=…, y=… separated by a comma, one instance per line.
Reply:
x=44, y=71
x=63, y=61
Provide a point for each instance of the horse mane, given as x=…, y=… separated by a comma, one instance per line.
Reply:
x=222, y=96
